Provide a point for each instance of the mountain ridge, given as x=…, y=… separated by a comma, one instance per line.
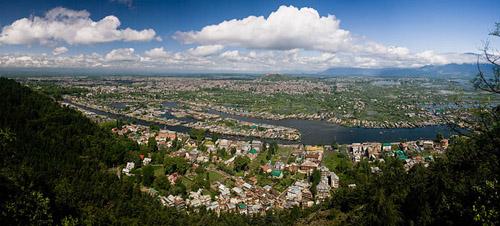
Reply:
x=451, y=70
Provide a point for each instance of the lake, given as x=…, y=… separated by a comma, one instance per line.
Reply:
x=315, y=131
x=322, y=132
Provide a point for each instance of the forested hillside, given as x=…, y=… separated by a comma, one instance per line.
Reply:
x=56, y=169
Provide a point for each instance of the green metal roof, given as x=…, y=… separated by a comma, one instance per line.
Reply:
x=253, y=151
x=242, y=205
x=401, y=154
x=276, y=173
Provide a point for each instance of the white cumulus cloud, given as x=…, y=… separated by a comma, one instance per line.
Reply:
x=156, y=53
x=124, y=54
x=70, y=26
x=205, y=50
x=286, y=28
x=59, y=50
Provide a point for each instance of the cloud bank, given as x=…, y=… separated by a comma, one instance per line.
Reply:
x=228, y=61
x=72, y=27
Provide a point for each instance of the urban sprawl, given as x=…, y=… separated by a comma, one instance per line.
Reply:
x=252, y=177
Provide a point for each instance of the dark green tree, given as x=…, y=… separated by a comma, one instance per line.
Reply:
x=152, y=145
x=148, y=175
x=197, y=134
x=161, y=183
x=175, y=164
x=315, y=178
x=241, y=163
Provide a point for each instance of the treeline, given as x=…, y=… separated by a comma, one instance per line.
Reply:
x=55, y=169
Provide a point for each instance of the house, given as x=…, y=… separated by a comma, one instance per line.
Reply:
x=179, y=202
x=401, y=155
x=242, y=208
x=277, y=174
x=444, y=143
x=308, y=166
x=375, y=169
x=253, y=180
x=173, y=177
x=403, y=146
x=247, y=186
x=266, y=168
x=224, y=191
x=314, y=148
x=164, y=201
x=195, y=202
x=294, y=193
x=229, y=161
x=356, y=148
x=386, y=147
x=231, y=207
x=322, y=190
x=245, y=147
x=128, y=168
x=256, y=144
x=292, y=168
x=313, y=156
x=428, y=144
x=223, y=143
x=334, y=180
x=202, y=159
x=254, y=209
x=153, y=192
x=164, y=136
x=306, y=195
x=213, y=206
x=191, y=143
x=279, y=165
x=171, y=201
x=373, y=149
x=208, y=143
x=146, y=161
x=167, y=201
x=238, y=191
x=329, y=178
x=252, y=154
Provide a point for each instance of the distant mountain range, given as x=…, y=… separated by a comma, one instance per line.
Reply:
x=448, y=70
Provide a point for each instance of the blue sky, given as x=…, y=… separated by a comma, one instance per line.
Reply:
x=416, y=32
